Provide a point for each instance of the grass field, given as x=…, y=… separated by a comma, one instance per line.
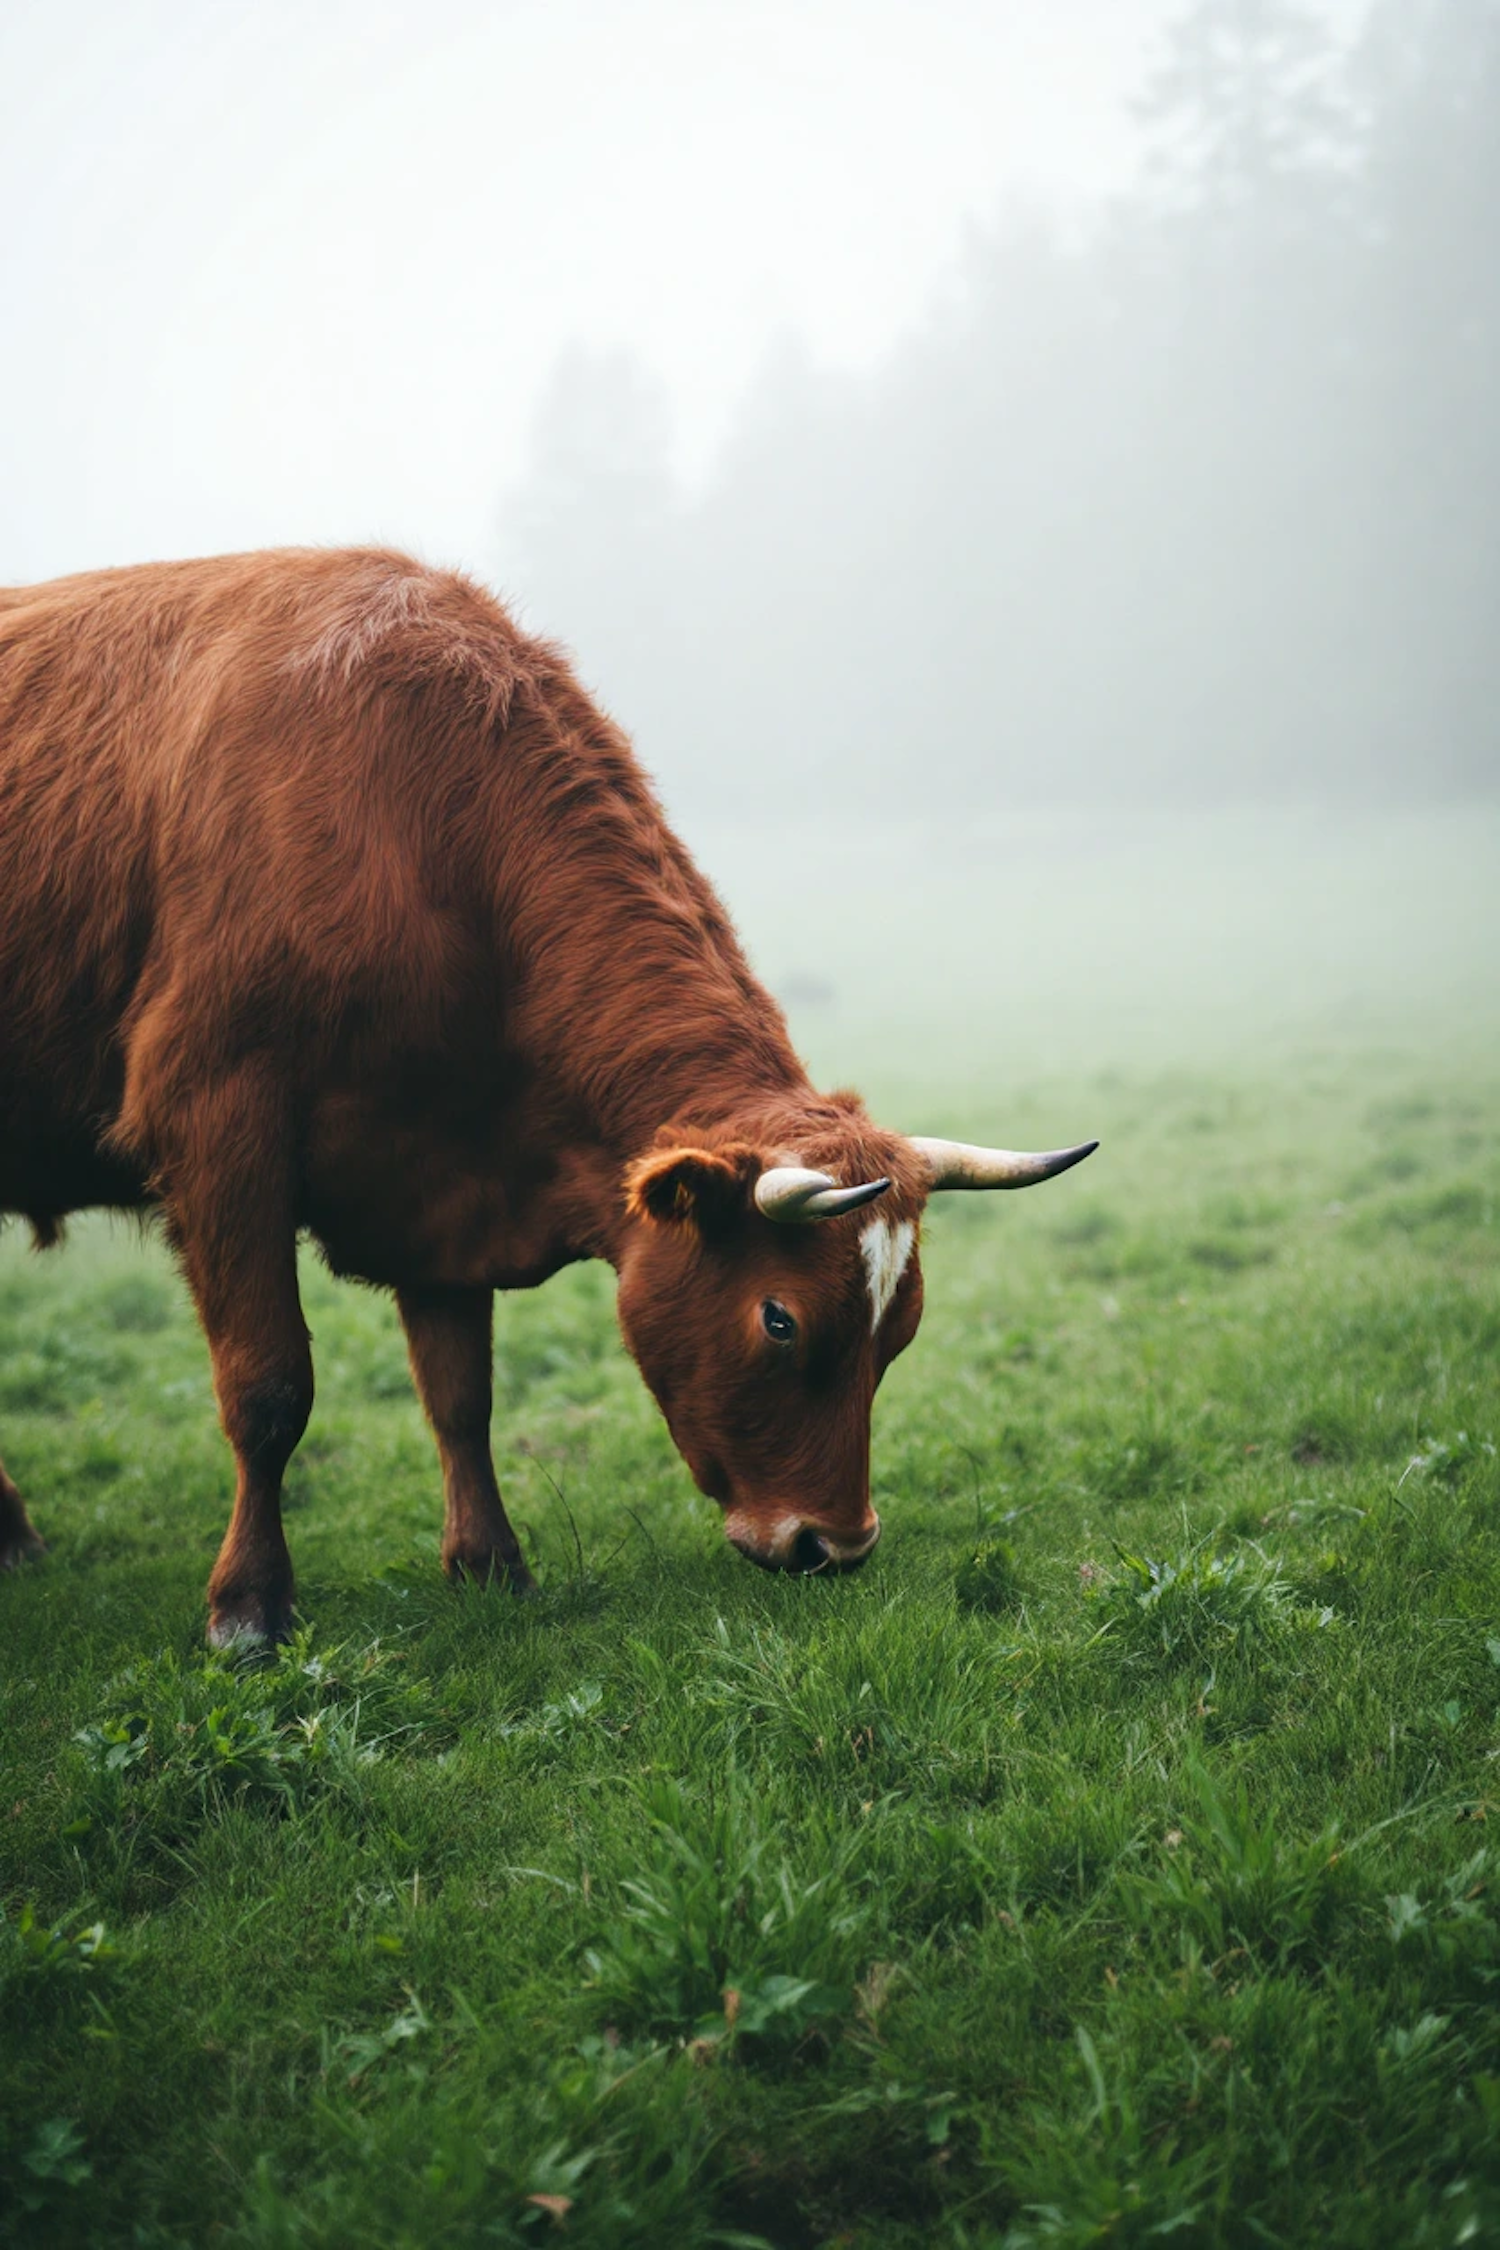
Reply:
x=1115, y=1859
x=1112, y=1856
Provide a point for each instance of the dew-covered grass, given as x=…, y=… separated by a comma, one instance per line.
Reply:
x=1110, y=1861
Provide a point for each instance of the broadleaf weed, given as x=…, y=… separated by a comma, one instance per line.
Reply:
x=721, y=1934
x=177, y=1741
x=33, y=1950
x=1198, y=1604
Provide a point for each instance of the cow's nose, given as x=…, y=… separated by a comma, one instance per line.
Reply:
x=787, y=1543
x=809, y=1551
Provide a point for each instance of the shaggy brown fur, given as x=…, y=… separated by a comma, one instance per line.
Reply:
x=329, y=901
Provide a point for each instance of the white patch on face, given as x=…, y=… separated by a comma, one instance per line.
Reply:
x=770, y=1539
x=886, y=1250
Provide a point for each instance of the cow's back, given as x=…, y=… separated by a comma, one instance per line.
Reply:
x=224, y=790
x=75, y=878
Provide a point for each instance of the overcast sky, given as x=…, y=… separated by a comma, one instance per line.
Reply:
x=285, y=271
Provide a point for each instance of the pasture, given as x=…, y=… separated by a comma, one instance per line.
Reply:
x=1116, y=1858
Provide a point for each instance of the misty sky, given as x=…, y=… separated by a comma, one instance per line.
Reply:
x=303, y=269
x=275, y=272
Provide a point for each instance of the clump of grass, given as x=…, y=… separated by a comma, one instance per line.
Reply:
x=878, y=1711
x=540, y=1735
x=1461, y=1209
x=941, y=1875
x=1198, y=1604
x=1099, y=2169
x=1233, y=1885
x=1332, y=1581
x=139, y=1303
x=1449, y=1460
x=1227, y=1253
x=53, y=2160
x=1451, y=1928
x=58, y=1373
x=1066, y=1850
x=1147, y=1464
x=721, y=1936
x=34, y=1952
x=178, y=1741
x=990, y=1578
x=599, y=2143
x=1329, y=1432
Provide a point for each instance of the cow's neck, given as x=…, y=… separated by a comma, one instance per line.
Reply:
x=635, y=1007
x=649, y=1018
x=674, y=1067
x=710, y=1076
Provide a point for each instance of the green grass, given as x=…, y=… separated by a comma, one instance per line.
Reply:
x=1116, y=1859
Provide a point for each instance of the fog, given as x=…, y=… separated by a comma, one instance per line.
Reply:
x=1202, y=506
x=275, y=272
x=1028, y=477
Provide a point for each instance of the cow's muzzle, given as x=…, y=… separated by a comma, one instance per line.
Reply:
x=789, y=1543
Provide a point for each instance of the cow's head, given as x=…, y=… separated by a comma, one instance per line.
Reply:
x=766, y=1284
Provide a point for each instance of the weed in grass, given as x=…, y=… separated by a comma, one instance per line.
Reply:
x=989, y=1579
x=1198, y=1604
x=359, y=2053
x=598, y=2144
x=1449, y=1460
x=720, y=1935
x=52, y=2163
x=549, y=1728
x=50, y=1973
x=33, y=1951
x=1231, y=1886
x=177, y=1742
x=53, y=1983
x=1452, y=1928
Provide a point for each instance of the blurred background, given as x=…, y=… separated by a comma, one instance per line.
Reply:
x=1027, y=474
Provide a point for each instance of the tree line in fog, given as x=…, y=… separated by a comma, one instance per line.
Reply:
x=1204, y=506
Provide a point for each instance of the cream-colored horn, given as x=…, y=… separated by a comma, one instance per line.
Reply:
x=794, y=1197
x=956, y=1164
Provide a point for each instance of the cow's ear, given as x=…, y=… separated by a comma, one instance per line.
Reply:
x=701, y=1187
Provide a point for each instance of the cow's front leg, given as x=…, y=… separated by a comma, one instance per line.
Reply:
x=449, y=1337
x=233, y=1229
x=19, y=1537
x=263, y=1378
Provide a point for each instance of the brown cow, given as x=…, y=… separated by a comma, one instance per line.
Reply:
x=328, y=900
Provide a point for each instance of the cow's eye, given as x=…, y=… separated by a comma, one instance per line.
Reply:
x=777, y=1322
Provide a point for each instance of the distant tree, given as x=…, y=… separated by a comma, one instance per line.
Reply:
x=1207, y=505
x=1245, y=100
x=588, y=530
x=1252, y=191
x=1428, y=75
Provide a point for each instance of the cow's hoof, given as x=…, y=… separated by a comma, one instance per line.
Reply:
x=22, y=1547
x=244, y=1631
x=493, y=1569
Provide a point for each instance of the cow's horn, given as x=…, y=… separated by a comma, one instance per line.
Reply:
x=955, y=1164
x=794, y=1197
